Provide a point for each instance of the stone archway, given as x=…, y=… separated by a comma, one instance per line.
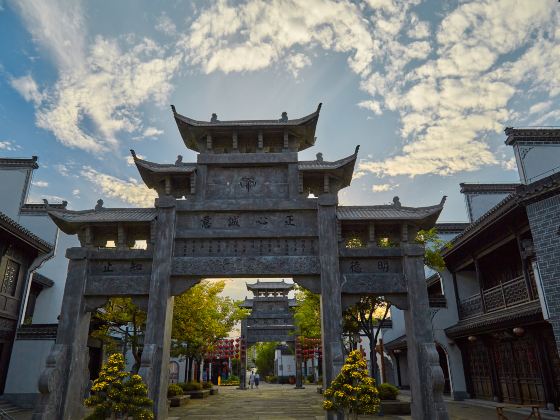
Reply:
x=242, y=210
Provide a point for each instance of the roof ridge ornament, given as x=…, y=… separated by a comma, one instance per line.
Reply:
x=214, y=118
x=397, y=202
x=173, y=109
x=319, y=157
x=133, y=153
x=284, y=117
x=99, y=205
x=179, y=160
x=357, y=149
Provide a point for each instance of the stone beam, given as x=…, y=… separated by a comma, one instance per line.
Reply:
x=245, y=266
x=117, y=285
x=311, y=283
x=373, y=283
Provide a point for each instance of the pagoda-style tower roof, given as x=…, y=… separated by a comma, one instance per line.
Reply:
x=270, y=286
x=318, y=175
x=196, y=133
x=176, y=178
x=250, y=303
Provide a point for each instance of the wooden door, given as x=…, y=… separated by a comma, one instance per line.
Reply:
x=479, y=371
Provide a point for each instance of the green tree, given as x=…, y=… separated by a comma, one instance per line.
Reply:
x=434, y=245
x=265, y=358
x=367, y=316
x=121, y=319
x=352, y=391
x=119, y=394
x=307, y=313
x=200, y=317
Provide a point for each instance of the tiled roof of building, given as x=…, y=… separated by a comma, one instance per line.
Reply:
x=397, y=343
x=42, y=280
x=248, y=303
x=451, y=226
x=524, y=312
x=167, y=168
x=467, y=187
x=539, y=134
x=24, y=234
x=390, y=212
x=19, y=162
x=71, y=221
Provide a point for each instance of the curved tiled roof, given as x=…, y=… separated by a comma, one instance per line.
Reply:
x=390, y=212
x=317, y=165
x=70, y=222
x=192, y=130
x=24, y=234
x=270, y=285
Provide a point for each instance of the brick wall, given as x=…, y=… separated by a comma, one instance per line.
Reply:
x=544, y=219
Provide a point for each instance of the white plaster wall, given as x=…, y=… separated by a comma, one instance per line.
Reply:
x=286, y=364
x=467, y=285
x=12, y=189
x=41, y=225
x=49, y=302
x=26, y=364
x=481, y=203
x=538, y=161
x=397, y=316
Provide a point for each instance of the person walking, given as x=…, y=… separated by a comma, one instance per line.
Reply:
x=252, y=379
x=257, y=379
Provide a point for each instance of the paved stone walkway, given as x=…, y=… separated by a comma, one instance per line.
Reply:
x=283, y=402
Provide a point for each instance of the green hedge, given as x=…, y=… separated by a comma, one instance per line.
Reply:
x=388, y=391
x=173, y=390
x=191, y=386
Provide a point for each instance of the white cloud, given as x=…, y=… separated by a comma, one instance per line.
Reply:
x=62, y=169
x=254, y=35
x=152, y=132
x=27, y=88
x=130, y=159
x=8, y=145
x=76, y=192
x=540, y=107
x=373, y=106
x=100, y=85
x=297, y=62
x=40, y=184
x=165, y=25
x=128, y=191
x=509, y=165
x=383, y=187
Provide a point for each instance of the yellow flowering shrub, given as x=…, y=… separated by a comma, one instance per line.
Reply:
x=119, y=394
x=352, y=391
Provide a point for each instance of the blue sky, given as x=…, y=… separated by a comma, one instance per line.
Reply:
x=425, y=87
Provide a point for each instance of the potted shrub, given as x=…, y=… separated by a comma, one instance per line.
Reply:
x=117, y=393
x=194, y=389
x=352, y=392
x=389, y=403
x=175, y=395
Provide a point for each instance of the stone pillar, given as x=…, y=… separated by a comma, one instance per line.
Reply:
x=425, y=374
x=157, y=341
x=299, y=375
x=331, y=305
x=63, y=381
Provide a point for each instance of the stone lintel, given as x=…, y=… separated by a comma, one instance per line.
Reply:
x=79, y=253
x=371, y=251
x=247, y=204
x=262, y=159
x=118, y=285
x=373, y=283
x=413, y=250
x=245, y=266
x=180, y=285
x=311, y=283
x=240, y=233
x=165, y=202
x=327, y=200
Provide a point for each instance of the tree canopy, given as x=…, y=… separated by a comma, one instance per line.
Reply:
x=265, y=358
x=307, y=313
x=201, y=316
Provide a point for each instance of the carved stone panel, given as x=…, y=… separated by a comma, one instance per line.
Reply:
x=370, y=265
x=260, y=182
x=244, y=266
x=247, y=223
x=245, y=247
x=120, y=267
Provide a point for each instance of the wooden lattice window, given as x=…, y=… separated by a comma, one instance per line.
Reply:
x=9, y=281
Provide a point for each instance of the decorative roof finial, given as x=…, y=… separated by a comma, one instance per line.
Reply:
x=64, y=203
x=179, y=160
x=99, y=205
x=133, y=153
x=319, y=157
x=46, y=202
x=284, y=117
x=357, y=149
x=396, y=202
x=214, y=117
x=173, y=109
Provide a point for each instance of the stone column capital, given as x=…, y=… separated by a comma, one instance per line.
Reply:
x=327, y=200
x=165, y=202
